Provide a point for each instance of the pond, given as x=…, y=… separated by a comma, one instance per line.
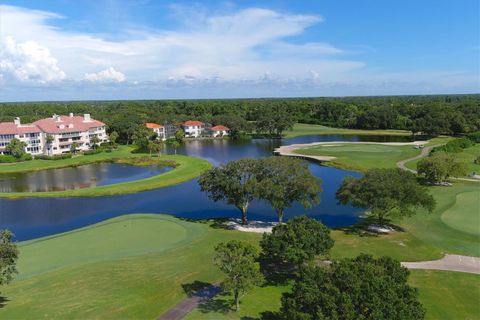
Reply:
x=34, y=217
x=85, y=176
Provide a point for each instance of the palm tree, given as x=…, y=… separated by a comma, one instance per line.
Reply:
x=94, y=140
x=73, y=147
x=48, y=140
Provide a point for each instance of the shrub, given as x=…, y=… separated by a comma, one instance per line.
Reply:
x=55, y=157
x=475, y=137
x=455, y=146
x=93, y=151
x=8, y=158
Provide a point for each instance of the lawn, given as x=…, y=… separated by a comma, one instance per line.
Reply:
x=302, y=129
x=131, y=267
x=187, y=168
x=453, y=226
x=445, y=295
x=361, y=157
x=134, y=267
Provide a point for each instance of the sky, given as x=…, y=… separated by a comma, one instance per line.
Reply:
x=120, y=49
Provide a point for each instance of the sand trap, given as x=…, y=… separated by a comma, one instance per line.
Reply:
x=252, y=226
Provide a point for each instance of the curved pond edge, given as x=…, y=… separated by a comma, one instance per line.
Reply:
x=186, y=168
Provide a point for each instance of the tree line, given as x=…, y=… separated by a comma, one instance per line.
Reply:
x=431, y=115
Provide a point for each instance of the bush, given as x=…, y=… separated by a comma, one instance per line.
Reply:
x=55, y=157
x=93, y=151
x=455, y=146
x=8, y=158
x=475, y=137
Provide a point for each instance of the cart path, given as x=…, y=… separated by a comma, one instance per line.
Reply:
x=181, y=309
x=423, y=154
x=450, y=262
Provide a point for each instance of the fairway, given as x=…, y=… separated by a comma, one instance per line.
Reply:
x=361, y=157
x=464, y=215
x=303, y=129
x=131, y=267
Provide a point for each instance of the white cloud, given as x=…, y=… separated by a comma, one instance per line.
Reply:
x=28, y=61
x=107, y=75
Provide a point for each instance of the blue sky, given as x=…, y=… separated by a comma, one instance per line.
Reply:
x=119, y=49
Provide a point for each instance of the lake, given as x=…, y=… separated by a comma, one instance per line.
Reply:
x=85, y=176
x=35, y=217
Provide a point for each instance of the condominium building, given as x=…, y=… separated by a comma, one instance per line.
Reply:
x=55, y=135
x=163, y=131
x=220, y=131
x=194, y=129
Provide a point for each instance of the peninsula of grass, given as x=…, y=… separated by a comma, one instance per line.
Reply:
x=361, y=157
x=185, y=168
x=302, y=129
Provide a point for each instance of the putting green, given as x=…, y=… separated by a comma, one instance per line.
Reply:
x=116, y=238
x=464, y=215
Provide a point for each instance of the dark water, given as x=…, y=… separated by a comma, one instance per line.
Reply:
x=34, y=217
x=86, y=176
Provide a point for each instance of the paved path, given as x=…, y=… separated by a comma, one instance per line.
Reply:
x=423, y=154
x=450, y=262
x=181, y=309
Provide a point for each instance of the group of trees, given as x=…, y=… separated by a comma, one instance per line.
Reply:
x=430, y=115
x=8, y=257
x=278, y=180
x=358, y=288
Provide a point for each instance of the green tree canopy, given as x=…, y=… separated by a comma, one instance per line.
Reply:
x=16, y=148
x=353, y=289
x=440, y=166
x=285, y=180
x=235, y=182
x=386, y=192
x=237, y=260
x=8, y=257
x=297, y=241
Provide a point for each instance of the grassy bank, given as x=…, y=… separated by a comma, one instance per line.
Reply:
x=186, y=168
x=302, y=129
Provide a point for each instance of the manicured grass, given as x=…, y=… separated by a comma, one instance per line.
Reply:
x=187, y=168
x=121, y=152
x=431, y=230
x=448, y=295
x=302, y=129
x=399, y=245
x=361, y=157
x=464, y=215
x=445, y=295
x=131, y=267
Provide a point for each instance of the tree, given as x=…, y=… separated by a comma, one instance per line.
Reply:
x=180, y=136
x=174, y=144
x=113, y=137
x=297, y=241
x=285, y=180
x=48, y=140
x=16, y=148
x=73, y=147
x=152, y=146
x=385, y=192
x=95, y=141
x=142, y=136
x=8, y=257
x=440, y=166
x=237, y=260
x=235, y=182
x=359, y=288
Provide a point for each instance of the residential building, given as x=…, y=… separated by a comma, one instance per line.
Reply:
x=220, y=131
x=63, y=130
x=163, y=131
x=194, y=129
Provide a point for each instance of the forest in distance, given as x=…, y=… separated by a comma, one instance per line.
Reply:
x=429, y=114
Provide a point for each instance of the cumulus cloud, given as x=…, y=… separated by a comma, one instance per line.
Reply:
x=28, y=61
x=107, y=75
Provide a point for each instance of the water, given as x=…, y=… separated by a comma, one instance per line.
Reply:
x=34, y=217
x=86, y=176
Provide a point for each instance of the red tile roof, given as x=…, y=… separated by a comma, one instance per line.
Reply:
x=151, y=125
x=12, y=128
x=52, y=125
x=220, y=128
x=193, y=123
